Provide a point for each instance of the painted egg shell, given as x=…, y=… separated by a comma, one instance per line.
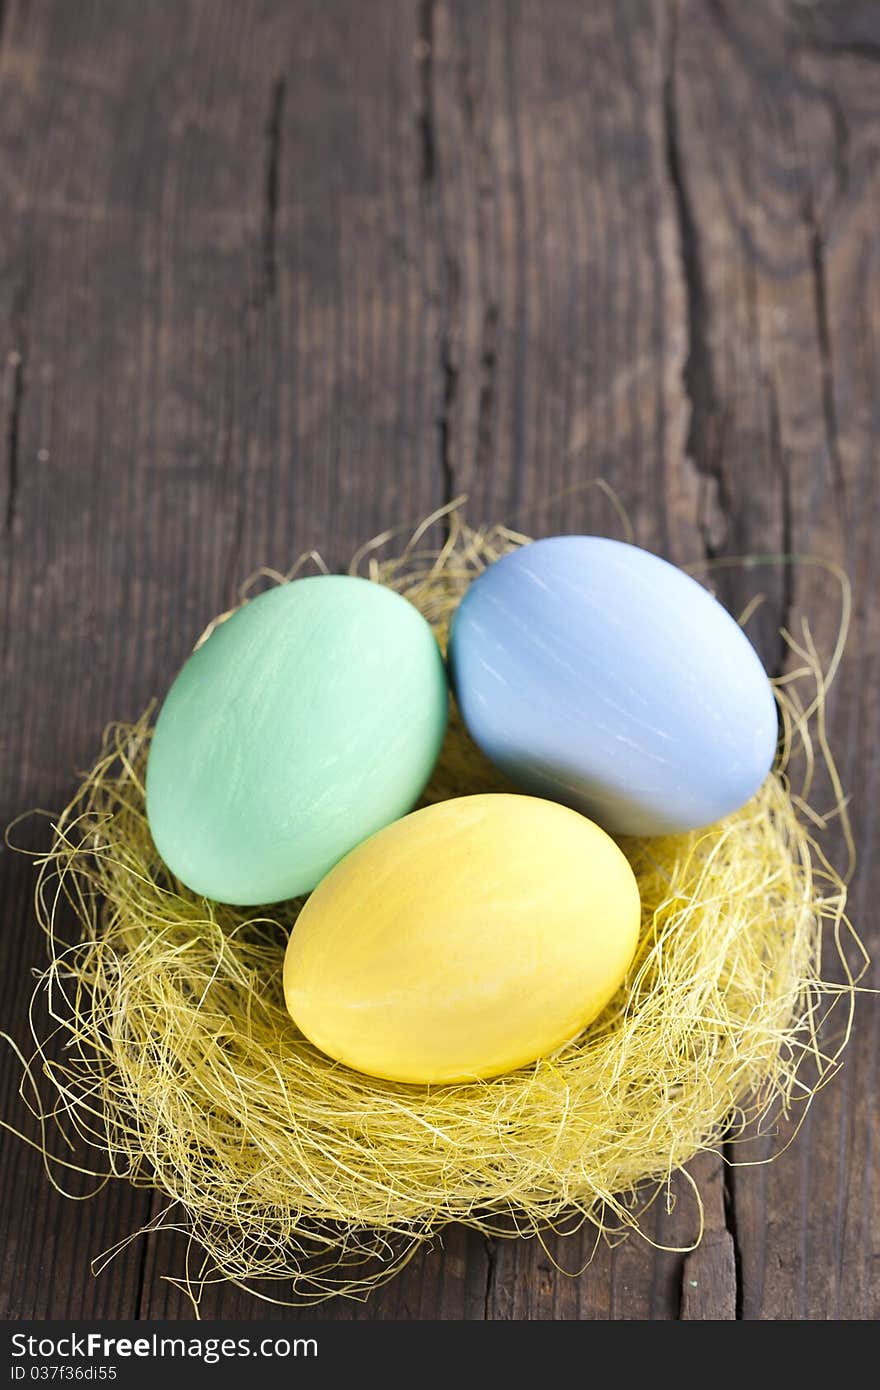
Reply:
x=306, y=721
x=595, y=673
x=469, y=938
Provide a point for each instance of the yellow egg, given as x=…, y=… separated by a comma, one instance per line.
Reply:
x=465, y=940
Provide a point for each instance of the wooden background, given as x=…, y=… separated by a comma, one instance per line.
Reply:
x=280, y=273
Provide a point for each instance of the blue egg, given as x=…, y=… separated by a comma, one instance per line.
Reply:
x=595, y=673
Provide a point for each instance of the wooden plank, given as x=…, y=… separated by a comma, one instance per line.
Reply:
x=778, y=118
x=278, y=274
x=224, y=331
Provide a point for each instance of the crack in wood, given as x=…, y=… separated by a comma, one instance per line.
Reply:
x=449, y=377
x=705, y=435
x=489, y=326
x=425, y=116
x=140, y=1286
x=816, y=246
x=270, y=185
x=520, y=302
x=448, y=298
x=491, y=1276
x=730, y=1221
x=780, y=463
x=486, y=404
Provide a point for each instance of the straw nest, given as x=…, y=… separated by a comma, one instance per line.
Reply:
x=181, y=1067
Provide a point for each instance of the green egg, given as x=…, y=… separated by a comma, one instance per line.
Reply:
x=308, y=720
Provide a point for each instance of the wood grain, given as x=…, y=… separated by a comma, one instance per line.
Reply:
x=277, y=275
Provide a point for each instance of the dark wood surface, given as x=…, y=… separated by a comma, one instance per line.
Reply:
x=282, y=273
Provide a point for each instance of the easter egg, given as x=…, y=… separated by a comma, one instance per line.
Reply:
x=595, y=673
x=470, y=938
x=306, y=721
